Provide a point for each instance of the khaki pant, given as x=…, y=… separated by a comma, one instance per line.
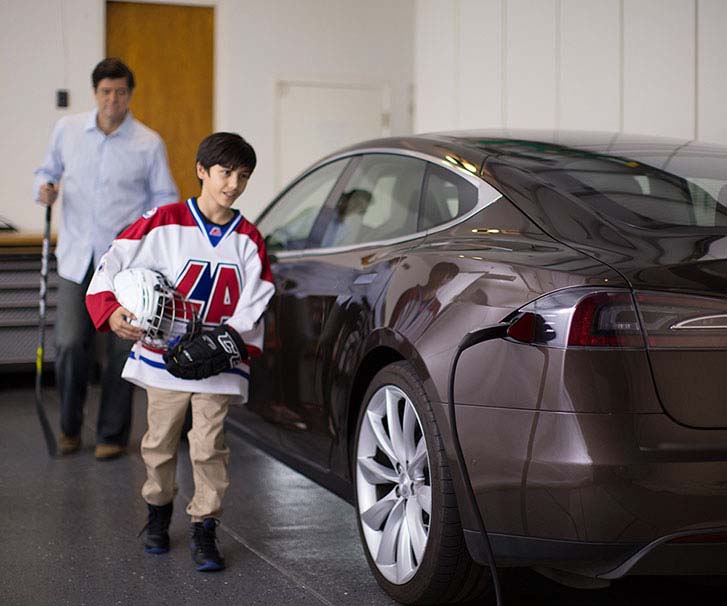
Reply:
x=207, y=450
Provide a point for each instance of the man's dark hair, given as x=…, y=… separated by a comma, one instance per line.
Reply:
x=112, y=67
x=226, y=149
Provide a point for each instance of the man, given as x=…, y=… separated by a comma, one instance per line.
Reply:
x=114, y=169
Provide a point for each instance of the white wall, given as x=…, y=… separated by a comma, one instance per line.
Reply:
x=585, y=101
x=51, y=44
x=44, y=45
x=712, y=74
x=642, y=66
x=659, y=67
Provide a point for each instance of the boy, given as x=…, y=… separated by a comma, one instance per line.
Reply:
x=217, y=260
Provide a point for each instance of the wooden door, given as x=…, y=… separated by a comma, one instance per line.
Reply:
x=170, y=50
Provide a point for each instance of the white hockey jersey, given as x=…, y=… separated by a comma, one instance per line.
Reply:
x=224, y=270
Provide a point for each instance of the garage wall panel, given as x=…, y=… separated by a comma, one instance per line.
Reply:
x=642, y=66
x=530, y=84
x=590, y=75
x=436, y=68
x=712, y=71
x=659, y=67
x=479, y=64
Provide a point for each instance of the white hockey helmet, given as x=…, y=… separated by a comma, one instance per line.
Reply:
x=161, y=312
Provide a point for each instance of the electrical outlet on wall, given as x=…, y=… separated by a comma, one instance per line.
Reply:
x=62, y=99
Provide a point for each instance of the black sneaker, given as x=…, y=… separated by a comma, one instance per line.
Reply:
x=157, y=528
x=204, y=546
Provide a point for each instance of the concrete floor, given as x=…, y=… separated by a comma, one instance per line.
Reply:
x=69, y=529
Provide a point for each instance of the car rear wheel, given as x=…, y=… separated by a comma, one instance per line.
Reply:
x=405, y=502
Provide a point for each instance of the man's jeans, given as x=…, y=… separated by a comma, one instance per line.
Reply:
x=74, y=333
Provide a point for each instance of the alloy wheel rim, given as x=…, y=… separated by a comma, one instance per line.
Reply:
x=393, y=484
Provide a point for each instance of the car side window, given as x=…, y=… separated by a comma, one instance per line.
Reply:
x=288, y=223
x=381, y=201
x=446, y=197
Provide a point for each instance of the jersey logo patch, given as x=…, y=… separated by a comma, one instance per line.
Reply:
x=214, y=291
x=150, y=213
x=215, y=232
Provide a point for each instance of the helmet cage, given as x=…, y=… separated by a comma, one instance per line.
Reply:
x=160, y=311
x=173, y=316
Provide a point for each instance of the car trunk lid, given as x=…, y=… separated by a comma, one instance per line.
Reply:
x=686, y=338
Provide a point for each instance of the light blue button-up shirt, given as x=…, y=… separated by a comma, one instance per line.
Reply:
x=108, y=182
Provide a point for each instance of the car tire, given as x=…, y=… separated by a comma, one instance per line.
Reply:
x=417, y=557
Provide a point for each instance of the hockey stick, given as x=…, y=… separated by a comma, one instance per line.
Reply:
x=50, y=440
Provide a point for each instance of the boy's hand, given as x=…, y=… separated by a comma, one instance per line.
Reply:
x=119, y=323
x=207, y=354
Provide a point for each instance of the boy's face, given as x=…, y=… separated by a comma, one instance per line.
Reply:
x=223, y=185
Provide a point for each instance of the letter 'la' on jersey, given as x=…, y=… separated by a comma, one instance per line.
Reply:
x=222, y=269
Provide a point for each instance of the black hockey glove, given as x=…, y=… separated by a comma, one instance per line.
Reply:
x=207, y=354
x=194, y=329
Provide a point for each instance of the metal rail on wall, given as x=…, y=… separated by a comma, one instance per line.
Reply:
x=20, y=261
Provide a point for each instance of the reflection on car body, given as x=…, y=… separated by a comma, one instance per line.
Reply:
x=595, y=437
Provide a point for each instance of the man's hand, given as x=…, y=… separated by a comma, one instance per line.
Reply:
x=119, y=323
x=207, y=354
x=48, y=193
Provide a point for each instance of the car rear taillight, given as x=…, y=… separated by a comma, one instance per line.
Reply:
x=605, y=319
x=579, y=317
x=588, y=317
x=677, y=321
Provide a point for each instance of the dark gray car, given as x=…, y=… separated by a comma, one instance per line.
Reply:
x=592, y=426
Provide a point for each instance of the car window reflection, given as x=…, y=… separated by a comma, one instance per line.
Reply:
x=380, y=202
x=288, y=223
x=419, y=305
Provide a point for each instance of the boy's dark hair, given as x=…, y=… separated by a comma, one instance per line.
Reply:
x=112, y=67
x=226, y=149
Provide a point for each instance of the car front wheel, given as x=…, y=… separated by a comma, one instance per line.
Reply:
x=405, y=502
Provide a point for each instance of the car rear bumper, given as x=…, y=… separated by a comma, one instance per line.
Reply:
x=606, y=561
x=596, y=494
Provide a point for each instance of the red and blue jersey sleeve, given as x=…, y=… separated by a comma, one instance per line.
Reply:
x=127, y=250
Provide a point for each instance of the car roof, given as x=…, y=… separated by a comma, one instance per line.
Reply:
x=555, y=148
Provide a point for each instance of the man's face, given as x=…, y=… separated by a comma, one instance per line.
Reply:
x=112, y=99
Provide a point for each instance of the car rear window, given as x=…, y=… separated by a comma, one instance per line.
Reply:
x=638, y=194
x=637, y=181
x=446, y=197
